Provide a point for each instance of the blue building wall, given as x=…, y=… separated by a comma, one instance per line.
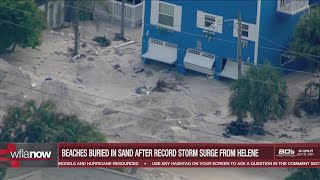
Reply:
x=221, y=45
x=276, y=30
x=274, y=26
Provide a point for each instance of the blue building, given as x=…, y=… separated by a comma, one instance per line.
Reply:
x=202, y=35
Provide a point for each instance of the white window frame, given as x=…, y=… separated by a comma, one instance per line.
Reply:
x=164, y=14
x=155, y=14
x=252, y=31
x=217, y=23
x=245, y=30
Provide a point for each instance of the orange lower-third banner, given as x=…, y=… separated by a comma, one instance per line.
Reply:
x=160, y=155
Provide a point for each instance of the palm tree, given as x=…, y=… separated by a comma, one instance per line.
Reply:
x=260, y=93
x=306, y=38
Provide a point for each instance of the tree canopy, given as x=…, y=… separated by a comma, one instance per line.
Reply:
x=31, y=124
x=306, y=38
x=261, y=93
x=21, y=23
x=305, y=174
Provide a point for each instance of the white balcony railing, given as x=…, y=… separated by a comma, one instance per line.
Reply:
x=292, y=7
x=132, y=13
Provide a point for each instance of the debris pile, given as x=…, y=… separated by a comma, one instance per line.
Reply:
x=165, y=85
x=108, y=111
x=138, y=70
x=119, y=37
x=148, y=73
x=143, y=90
x=118, y=67
x=102, y=41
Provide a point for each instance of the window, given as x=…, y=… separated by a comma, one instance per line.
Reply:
x=209, y=21
x=248, y=31
x=166, y=14
x=245, y=30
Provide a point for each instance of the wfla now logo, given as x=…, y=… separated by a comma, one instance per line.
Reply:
x=286, y=153
x=18, y=155
x=30, y=155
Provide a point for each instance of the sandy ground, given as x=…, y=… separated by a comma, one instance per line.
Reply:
x=73, y=81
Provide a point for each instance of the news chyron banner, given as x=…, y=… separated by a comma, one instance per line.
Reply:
x=159, y=155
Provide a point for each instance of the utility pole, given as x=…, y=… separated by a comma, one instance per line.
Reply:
x=46, y=8
x=239, y=49
x=122, y=18
x=76, y=27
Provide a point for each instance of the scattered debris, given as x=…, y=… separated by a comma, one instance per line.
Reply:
x=302, y=130
x=143, y=90
x=124, y=44
x=285, y=136
x=165, y=85
x=102, y=41
x=116, y=66
x=48, y=79
x=78, y=56
x=199, y=115
x=57, y=52
x=179, y=122
x=217, y=113
x=119, y=37
x=138, y=70
x=79, y=79
x=84, y=44
x=35, y=70
x=33, y=85
x=148, y=73
x=240, y=128
x=91, y=58
x=108, y=111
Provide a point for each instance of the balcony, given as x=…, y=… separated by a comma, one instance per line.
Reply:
x=132, y=12
x=292, y=7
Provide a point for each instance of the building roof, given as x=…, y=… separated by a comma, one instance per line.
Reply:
x=66, y=174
